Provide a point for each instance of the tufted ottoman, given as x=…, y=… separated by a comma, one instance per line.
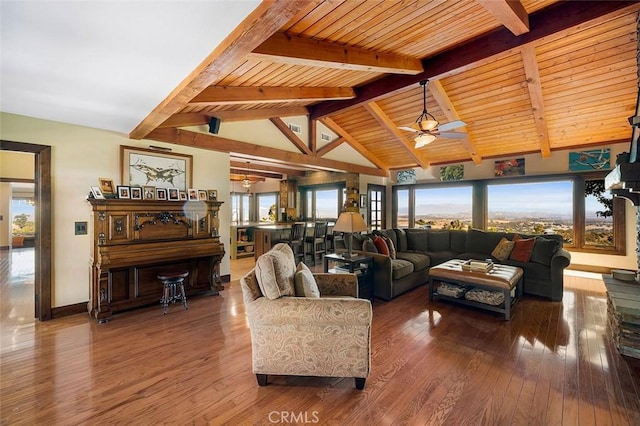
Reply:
x=497, y=290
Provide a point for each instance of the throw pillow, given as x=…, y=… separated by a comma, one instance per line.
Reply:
x=381, y=245
x=522, y=249
x=305, y=282
x=275, y=270
x=544, y=249
x=368, y=246
x=503, y=249
x=390, y=246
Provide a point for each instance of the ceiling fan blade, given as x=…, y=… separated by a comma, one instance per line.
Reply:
x=451, y=125
x=452, y=135
x=408, y=129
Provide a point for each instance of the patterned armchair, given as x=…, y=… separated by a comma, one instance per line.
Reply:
x=327, y=336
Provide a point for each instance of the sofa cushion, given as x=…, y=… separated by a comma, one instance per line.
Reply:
x=503, y=249
x=543, y=250
x=522, y=249
x=458, y=240
x=417, y=240
x=381, y=245
x=275, y=270
x=304, y=282
x=388, y=233
x=420, y=261
x=438, y=257
x=400, y=268
x=479, y=241
x=439, y=241
x=401, y=236
x=369, y=246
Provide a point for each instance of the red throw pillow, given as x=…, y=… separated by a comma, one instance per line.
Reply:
x=522, y=249
x=381, y=245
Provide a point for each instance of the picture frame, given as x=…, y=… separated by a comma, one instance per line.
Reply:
x=183, y=196
x=161, y=194
x=173, y=194
x=96, y=192
x=136, y=193
x=213, y=194
x=202, y=195
x=106, y=186
x=149, y=192
x=143, y=167
x=124, y=192
x=363, y=201
x=193, y=194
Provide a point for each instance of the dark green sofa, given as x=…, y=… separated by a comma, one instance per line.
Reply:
x=419, y=249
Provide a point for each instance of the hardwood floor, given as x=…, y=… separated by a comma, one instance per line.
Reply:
x=432, y=364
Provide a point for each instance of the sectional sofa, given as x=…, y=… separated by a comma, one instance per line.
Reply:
x=419, y=249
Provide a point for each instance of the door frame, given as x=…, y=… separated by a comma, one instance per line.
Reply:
x=43, y=241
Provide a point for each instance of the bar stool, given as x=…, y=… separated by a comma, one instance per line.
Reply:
x=171, y=280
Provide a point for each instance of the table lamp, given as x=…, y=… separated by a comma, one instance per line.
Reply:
x=350, y=222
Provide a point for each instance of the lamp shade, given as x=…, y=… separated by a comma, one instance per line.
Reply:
x=424, y=139
x=350, y=222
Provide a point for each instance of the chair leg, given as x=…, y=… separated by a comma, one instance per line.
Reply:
x=360, y=382
x=262, y=379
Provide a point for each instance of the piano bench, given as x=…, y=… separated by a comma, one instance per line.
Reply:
x=172, y=281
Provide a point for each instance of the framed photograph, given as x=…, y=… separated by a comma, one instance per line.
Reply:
x=96, y=192
x=183, y=196
x=124, y=192
x=363, y=201
x=452, y=173
x=161, y=194
x=202, y=195
x=513, y=167
x=193, y=195
x=136, y=193
x=149, y=192
x=141, y=167
x=106, y=186
x=173, y=194
x=213, y=194
x=595, y=159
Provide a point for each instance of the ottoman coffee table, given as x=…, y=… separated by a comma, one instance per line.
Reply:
x=495, y=290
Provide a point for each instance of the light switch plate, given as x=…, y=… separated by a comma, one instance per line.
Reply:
x=81, y=228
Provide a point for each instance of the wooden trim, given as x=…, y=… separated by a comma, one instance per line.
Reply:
x=288, y=133
x=259, y=113
x=511, y=14
x=219, y=95
x=589, y=268
x=296, y=50
x=67, y=310
x=532, y=73
x=330, y=146
x=17, y=180
x=265, y=168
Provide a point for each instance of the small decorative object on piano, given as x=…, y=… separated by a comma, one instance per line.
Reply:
x=477, y=265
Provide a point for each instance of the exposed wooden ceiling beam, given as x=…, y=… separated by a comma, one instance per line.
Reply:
x=266, y=168
x=185, y=119
x=383, y=119
x=449, y=110
x=224, y=95
x=293, y=138
x=295, y=50
x=532, y=73
x=266, y=19
x=510, y=13
x=335, y=128
x=258, y=113
x=330, y=146
x=216, y=143
x=543, y=23
x=252, y=173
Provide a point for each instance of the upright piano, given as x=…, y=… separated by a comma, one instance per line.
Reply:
x=134, y=240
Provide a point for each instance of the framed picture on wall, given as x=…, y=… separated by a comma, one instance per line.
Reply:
x=142, y=167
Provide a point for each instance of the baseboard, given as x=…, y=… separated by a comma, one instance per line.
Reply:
x=590, y=268
x=5, y=247
x=65, y=311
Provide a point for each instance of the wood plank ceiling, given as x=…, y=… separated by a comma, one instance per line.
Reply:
x=534, y=76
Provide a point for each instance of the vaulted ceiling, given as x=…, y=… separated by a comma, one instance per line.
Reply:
x=526, y=77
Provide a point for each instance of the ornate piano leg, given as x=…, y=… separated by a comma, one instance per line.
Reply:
x=215, y=279
x=99, y=306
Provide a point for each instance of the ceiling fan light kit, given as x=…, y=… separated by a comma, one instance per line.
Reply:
x=424, y=139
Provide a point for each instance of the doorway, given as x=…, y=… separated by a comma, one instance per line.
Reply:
x=42, y=252
x=377, y=206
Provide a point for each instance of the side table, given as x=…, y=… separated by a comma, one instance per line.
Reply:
x=360, y=265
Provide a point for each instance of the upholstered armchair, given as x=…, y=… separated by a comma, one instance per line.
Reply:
x=305, y=324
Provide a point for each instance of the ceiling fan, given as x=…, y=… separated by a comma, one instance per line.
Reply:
x=427, y=127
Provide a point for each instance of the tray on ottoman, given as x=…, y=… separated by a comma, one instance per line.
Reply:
x=503, y=279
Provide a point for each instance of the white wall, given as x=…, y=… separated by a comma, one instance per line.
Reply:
x=80, y=156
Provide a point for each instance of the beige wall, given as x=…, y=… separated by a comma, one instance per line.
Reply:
x=81, y=155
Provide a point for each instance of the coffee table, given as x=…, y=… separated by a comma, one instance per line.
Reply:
x=504, y=278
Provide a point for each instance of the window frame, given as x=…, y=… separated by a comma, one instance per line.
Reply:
x=310, y=191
